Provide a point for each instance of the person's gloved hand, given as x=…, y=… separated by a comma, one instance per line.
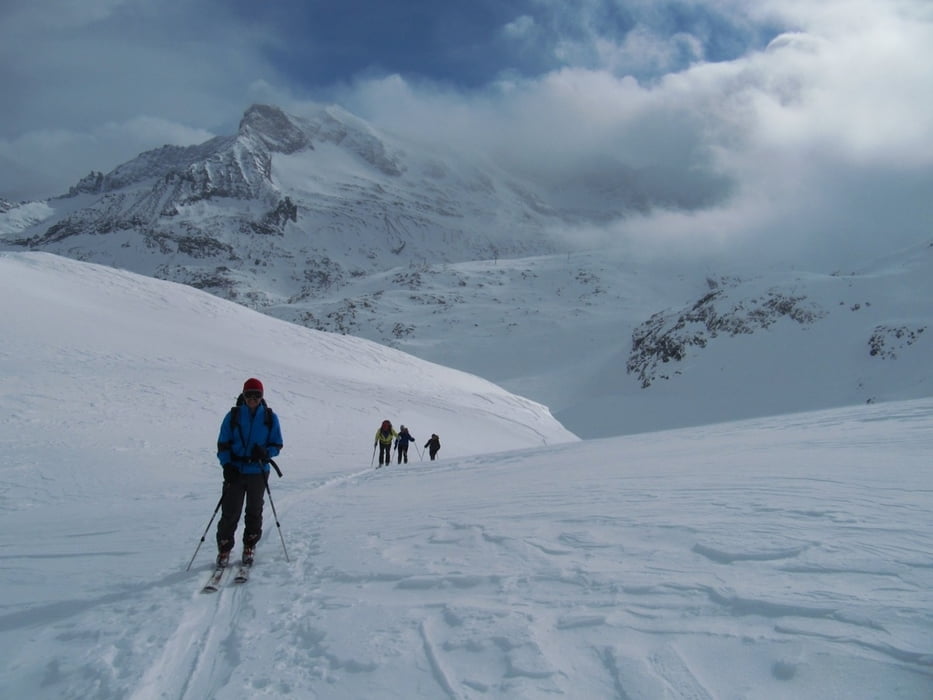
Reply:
x=231, y=473
x=260, y=453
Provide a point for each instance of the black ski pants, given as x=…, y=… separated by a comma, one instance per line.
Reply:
x=251, y=488
x=402, y=453
x=385, y=453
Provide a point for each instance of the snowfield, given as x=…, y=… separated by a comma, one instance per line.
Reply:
x=780, y=557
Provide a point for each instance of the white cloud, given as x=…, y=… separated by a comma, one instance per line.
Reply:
x=520, y=27
x=813, y=131
x=819, y=123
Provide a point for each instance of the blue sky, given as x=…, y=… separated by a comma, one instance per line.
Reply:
x=811, y=110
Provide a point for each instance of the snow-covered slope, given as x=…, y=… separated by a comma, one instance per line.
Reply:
x=78, y=334
x=613, y=347
x=780, y=558
x=770, y=343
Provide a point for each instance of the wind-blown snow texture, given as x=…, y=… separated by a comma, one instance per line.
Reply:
x=785, y=557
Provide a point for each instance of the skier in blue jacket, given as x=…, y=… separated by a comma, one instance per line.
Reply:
x=250, y=436
x=401, y=444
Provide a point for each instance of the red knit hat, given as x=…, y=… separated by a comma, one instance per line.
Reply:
x=252, y=384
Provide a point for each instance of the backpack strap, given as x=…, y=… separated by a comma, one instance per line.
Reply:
x=267, y=414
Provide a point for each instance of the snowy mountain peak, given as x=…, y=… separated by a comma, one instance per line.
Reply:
x=332, y=124
x=273, y=128
x=191, y=213
x=279, y=132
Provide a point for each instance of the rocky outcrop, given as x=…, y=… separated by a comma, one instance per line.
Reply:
x=887, y=341
x=668, y=337
x=274, y=129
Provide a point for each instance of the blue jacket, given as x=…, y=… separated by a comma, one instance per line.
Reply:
x=404, y=438
x=238, y=438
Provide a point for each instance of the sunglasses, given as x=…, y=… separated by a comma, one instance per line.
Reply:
x=252, y=394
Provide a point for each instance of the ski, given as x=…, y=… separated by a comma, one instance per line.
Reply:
x=242, y=574
x=213, y=583
x=246, y=563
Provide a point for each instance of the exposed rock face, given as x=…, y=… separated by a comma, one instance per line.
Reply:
x=274, y=129
x=668, y=336
x=887, y=341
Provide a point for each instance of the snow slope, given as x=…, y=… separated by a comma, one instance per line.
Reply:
x=714, y=344
x=783, y=557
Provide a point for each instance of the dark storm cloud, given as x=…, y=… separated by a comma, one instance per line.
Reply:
x=324, y=42
x=472, y=44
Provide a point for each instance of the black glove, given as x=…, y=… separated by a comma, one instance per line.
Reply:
x=231, y=474
x=259, y=453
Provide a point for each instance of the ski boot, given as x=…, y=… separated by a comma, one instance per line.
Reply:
x=248, y=553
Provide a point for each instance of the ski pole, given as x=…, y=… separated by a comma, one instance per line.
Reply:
x=205, y=532
x=276, y=516
x=420, y=453
x=373, y=460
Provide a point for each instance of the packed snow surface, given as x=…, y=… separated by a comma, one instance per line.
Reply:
x=781, y=557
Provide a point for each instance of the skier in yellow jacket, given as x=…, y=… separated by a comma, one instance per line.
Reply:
x=384, y=437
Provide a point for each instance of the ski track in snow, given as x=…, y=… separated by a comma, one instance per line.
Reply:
x=199, y=658
x=461, y=623
x=583, y=591
x=191, y=665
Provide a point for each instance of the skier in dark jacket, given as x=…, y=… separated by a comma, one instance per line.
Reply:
x=250, y=436
x=401, y=443
x=433, y=445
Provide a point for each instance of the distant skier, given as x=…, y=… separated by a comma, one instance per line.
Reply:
x=401, y=443
x=384, y=437
x=250, y=436
x=433, y=445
